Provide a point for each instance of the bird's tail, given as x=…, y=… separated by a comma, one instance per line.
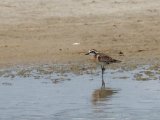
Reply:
x=116, y=61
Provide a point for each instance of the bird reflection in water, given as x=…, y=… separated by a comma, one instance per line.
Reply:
x=102, y=94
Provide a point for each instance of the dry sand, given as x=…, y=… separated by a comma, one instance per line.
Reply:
x=43, y=31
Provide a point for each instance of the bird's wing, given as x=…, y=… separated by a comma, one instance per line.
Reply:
x=104, y=58
x=107, y=59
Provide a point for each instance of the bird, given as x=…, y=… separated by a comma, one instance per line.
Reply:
x=102, y=59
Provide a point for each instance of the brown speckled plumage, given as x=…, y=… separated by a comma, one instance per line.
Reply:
x=102, y=59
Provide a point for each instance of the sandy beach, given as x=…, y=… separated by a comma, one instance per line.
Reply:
x=45, y=74
x=44, y=31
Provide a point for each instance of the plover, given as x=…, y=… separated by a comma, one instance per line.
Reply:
x=102, y=59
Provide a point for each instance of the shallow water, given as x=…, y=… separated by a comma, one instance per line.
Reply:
x=80, y=97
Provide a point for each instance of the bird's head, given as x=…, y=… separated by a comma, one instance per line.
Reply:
x=92, y=52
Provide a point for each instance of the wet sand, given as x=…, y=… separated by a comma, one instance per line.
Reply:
x=40, y=32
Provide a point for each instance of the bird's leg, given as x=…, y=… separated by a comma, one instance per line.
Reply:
x=103, y=83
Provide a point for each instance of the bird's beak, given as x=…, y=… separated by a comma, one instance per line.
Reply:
x=87, y=54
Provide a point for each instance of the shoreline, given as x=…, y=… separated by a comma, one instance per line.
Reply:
x=39, y=37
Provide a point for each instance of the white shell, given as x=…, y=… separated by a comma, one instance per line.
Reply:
x=76, y=44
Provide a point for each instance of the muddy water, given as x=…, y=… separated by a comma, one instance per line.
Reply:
x=128, y=96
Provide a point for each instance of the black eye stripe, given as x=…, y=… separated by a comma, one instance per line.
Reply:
x=93, y=52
